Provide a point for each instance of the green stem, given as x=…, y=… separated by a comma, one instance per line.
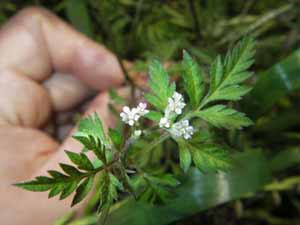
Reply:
x=154, y=143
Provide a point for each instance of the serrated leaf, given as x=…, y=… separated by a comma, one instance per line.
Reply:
x=55, y=190
x=230, y=93
x=168, y=180
x=115, y=182
x=82, y=190
x=185, y=157
x=156, y=188
x=56, y=174
x=81, y=160
x=35, y=185
x=159, y=85
x=216, y=73
x=109, y=186
x=223, y=117
x=69, y=188
x=70, y=170
x=193, y=79
x=225, y=77
x=115, y=137
x=210, y=158
x=90, y=129
x=90, y=142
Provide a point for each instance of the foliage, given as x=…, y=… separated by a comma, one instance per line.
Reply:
x=114, y=156
x=144, y=29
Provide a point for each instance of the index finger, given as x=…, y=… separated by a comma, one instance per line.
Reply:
x=36, y=42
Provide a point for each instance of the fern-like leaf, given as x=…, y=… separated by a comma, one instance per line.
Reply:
x=222, y=117
x=226, y=76
x=160, y=87
x=193, y=79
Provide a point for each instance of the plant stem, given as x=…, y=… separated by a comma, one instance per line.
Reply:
x=156, y=142
x=127, y=79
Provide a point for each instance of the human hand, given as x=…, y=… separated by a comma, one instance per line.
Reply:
x=33, y=45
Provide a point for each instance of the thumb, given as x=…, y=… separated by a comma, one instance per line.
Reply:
x=15, y=201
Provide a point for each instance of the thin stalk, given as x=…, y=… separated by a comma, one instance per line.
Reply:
x=127, y=79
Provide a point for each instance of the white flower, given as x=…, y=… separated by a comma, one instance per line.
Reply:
x=182, y=129
x=164, y=122
x=175, y=104
x=137, y=133
x=142, y=109
x=130, y=116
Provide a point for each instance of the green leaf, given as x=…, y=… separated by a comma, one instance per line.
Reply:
x=226, y=76
x=38, y=186
x=156, y=188
x=198, y=192
x=286, y=158
x=116, y=137
x=109, y=186
x=56, y=174
x=55, y=190
x=70, y=170
x=87, y=220
x=82, y=190
x=160, y=88
x=209, y=158
x=81, y=160
x=216, y=73
x=185, y=157
x=154, y=116
x=78, y=14
x=223, y=117
x=193, y=79
x=69, y=188
x=273, y=84
x=60, y=183
x=91, y=132
x=165, y=179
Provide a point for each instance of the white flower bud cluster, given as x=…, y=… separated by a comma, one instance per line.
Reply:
x=175, y=106
x=131, y=116
x=182, y=129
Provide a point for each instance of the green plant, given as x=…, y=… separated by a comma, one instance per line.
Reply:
x=128, y=159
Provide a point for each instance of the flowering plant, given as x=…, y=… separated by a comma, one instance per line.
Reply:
x=154, y=144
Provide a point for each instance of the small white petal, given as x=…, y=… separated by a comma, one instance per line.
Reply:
x=137, y=133
x=126, y=109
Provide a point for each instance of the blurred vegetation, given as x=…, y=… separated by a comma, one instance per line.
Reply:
x=139, y=30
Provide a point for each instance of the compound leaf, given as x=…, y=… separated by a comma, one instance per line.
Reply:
x=159, y=85
x=224, y=117
x=82, y=190
x=193, y=79
x=210, y=158
x=226, y=76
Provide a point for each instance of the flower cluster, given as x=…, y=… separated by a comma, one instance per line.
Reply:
x=175, y=106
x=182, y=129
x=131, y=116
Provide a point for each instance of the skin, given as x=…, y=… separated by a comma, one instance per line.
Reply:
x=45, y=66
